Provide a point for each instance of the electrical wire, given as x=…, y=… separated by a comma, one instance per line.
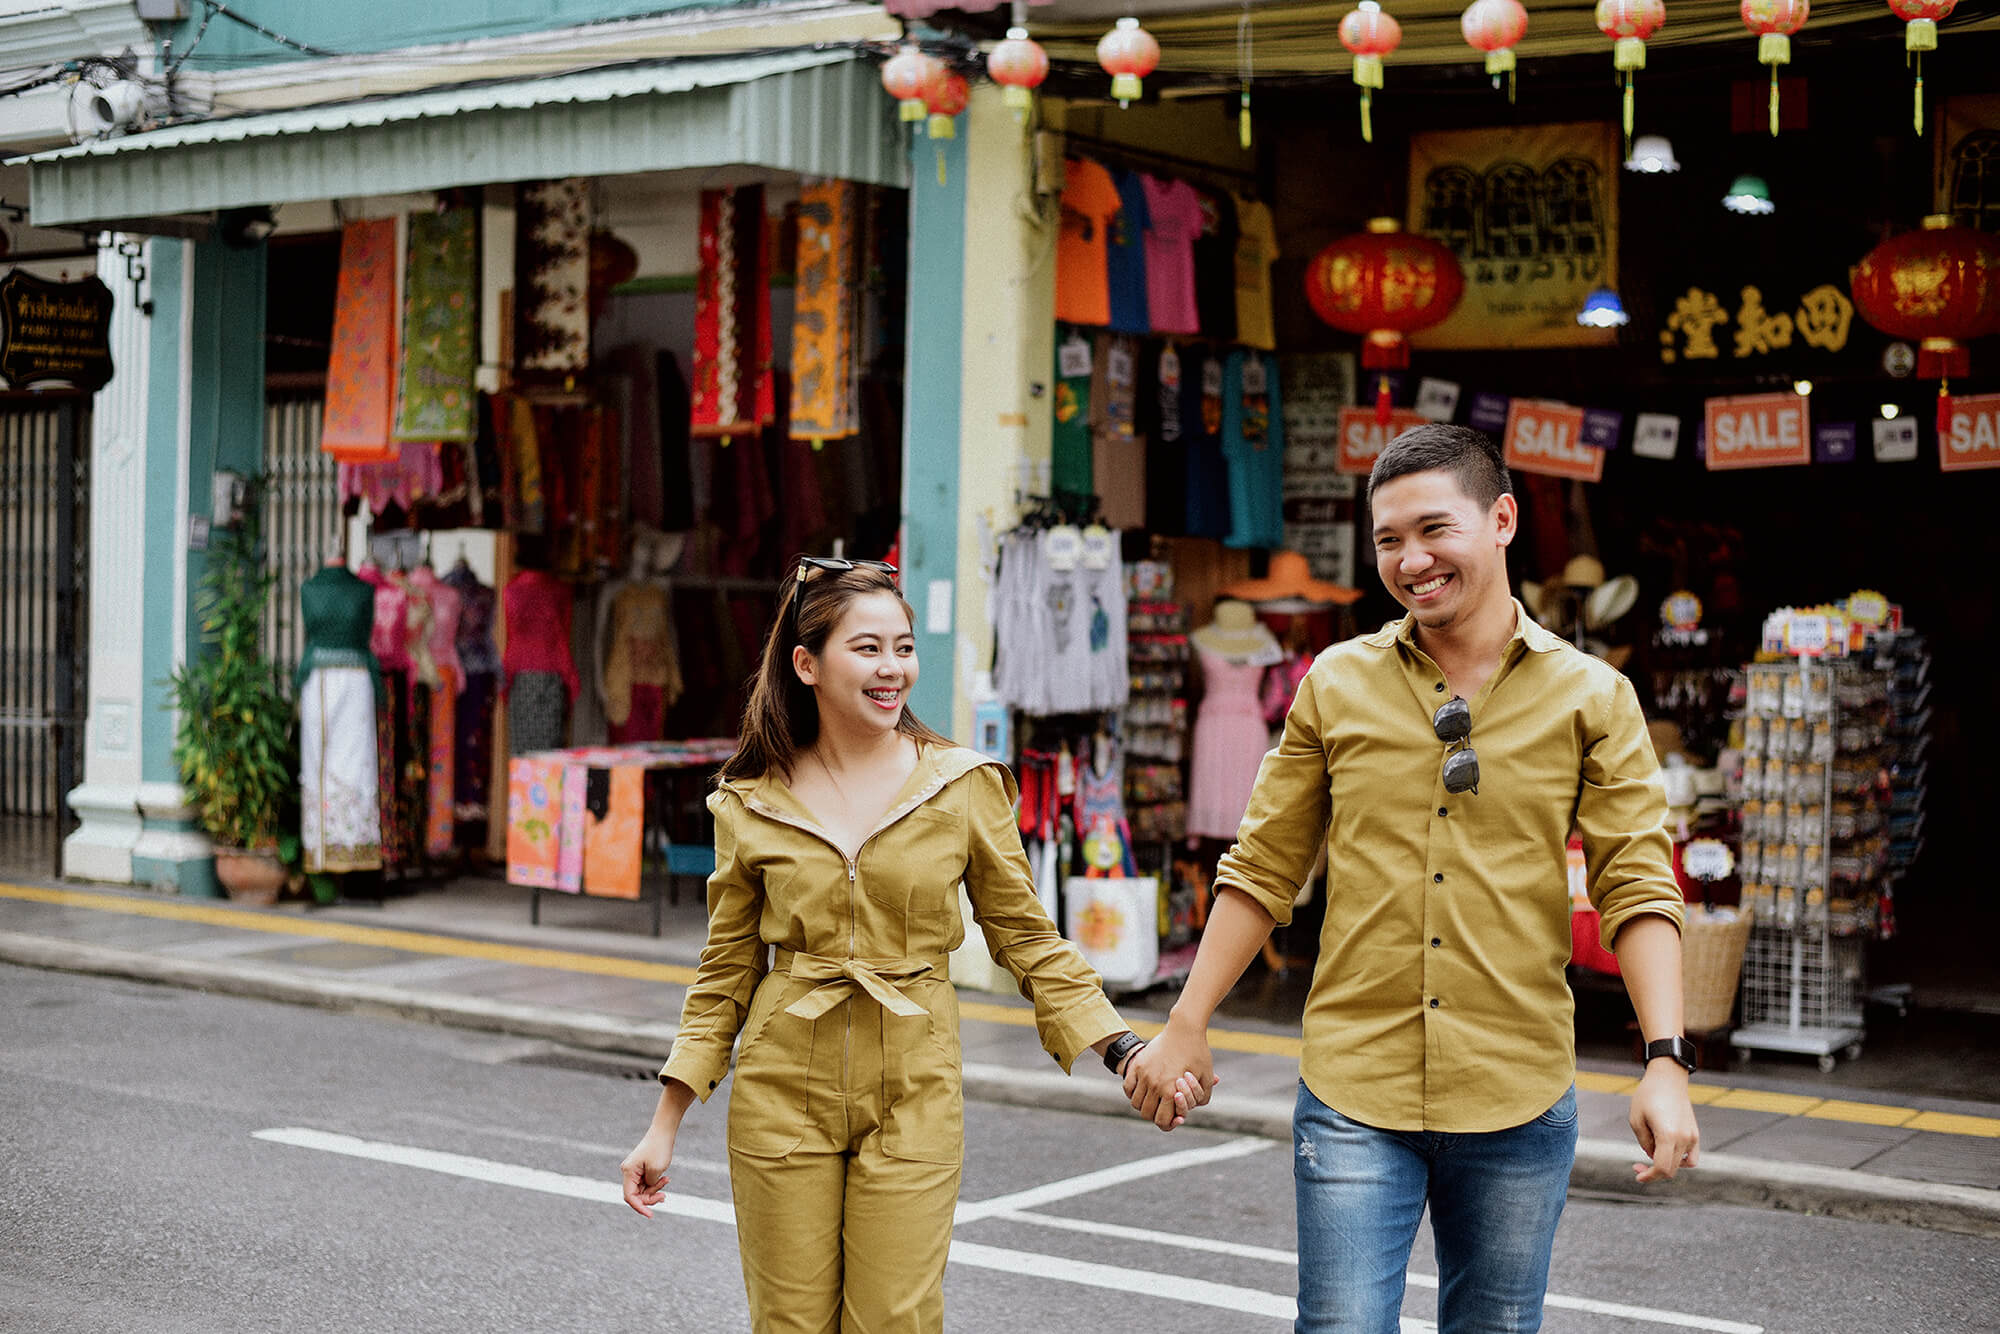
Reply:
x=217, y=7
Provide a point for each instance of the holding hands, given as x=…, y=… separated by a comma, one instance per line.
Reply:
x=1170, y=1075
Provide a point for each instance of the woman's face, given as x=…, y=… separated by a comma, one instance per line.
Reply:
x=863, y=673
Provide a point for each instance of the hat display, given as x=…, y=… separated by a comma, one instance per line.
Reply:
x=1609, y=601
x=1291, y=577
x=1235, y=631
x=1583, y=572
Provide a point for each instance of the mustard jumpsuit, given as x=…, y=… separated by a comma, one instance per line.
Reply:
x=846, y=1124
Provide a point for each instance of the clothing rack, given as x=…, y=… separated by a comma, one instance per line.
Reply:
x=1135, y=155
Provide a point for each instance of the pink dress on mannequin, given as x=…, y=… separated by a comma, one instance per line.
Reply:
x=1229, y=743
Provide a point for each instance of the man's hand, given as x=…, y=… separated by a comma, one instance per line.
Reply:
x=1178, y=1059
x=1663, y=1122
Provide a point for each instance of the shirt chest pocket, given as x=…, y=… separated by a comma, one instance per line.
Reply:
x=915, y=868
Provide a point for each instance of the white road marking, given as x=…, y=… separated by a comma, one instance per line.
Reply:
x=1089, y=1182
x=1117, y=1278
x=616, y=1154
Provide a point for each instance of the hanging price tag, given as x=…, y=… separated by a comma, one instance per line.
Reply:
x=1118, y=364
x=1211, y=377
x=1253, y=375
x=1655, y=435
x=1073, y=358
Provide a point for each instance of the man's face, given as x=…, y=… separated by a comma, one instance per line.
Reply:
x=1439, y=552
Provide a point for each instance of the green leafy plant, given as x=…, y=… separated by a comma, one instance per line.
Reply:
x=234, y=743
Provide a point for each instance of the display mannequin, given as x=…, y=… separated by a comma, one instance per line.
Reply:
x=472, y=758
x=638, y=656
x=338, y=683
x=1229, y=736
x=541, y=679
x=440, y=654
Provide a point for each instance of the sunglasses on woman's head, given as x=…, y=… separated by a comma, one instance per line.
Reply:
x=1453, y=725
x=811, y=565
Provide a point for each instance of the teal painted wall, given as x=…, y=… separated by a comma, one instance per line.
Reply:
x=352, y=27
x=167, y=261
x=226, y=394
x=931, y=405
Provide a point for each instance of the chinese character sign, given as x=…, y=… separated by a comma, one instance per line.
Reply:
x=1531, y=212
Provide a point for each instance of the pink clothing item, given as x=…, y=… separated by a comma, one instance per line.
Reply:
x=389, y=639
x=1229, y=743
x=446, y=605
x=1176, y=223
x=539, y=608
x=646, y=722
x=415, y=473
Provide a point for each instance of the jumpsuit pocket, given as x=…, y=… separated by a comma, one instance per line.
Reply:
x=913, y=879
x=767, y=1106
x=922, y=1087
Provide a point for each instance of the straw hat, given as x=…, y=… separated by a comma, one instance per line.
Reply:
x=1291, y=577
x=1235, y=631
x=1609, y=601
x=1583, y=572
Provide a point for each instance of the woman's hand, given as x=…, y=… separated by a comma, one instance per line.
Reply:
x=645, y=1171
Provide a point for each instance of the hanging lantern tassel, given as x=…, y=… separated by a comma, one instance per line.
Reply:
x=1944, y=410
x=1774, y=49
x=1384, y=403
x=1243, y=118
x=1628, y=55
x=1628, y=23
x=1368, y=74
x=1919, y=36
x=1774, y=22
x=1369, y=34
x=1502, y=62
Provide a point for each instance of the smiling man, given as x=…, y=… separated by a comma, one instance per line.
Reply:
x=1443, y=761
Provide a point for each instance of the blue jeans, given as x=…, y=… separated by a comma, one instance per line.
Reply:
x=1494, y=1198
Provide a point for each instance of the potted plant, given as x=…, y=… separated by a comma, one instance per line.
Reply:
x=234, y=742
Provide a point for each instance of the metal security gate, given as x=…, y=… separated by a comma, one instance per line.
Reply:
x=301, y=514
x=44, y=615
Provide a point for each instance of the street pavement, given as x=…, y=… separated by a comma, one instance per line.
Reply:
x=590, y=979
x=182, y=1163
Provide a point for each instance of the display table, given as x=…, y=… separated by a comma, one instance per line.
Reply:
x=594, y=819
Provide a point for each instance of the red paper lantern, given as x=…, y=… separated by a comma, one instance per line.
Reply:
x=1628, y=23
x=1128, y=54
x=947, y=97
x=1018, y=65
x=908, y=76
x=1384, y=283
x=1370, y=34
x=1940, y=286
x=1775, y=21
x=1920, y=20
x=1496, y=27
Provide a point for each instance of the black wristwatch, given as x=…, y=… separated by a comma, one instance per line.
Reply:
x=1679, y=1049
x=1121, y=1046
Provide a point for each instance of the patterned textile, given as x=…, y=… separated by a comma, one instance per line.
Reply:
x=413, y=473
x=339, y=820
x=472, y=762
x=441, y=829
x=440, y=328
x=537, y=703
x=569, y=856
x=397, y=844
x=733, y=390
x=413, y=760
x=476, y=603
x=360, y=402
x=613, y=831
x=534, y=802
x=552, y=278
x=826, y=312
x=519, y=447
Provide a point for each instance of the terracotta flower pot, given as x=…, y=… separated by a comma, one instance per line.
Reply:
x=251, y=876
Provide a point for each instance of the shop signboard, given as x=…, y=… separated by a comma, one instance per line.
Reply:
x=1318, y=496
x=1362, y=437
x=55, y=333
x=1974, y=438
x=1758, y=431
x=1547, y=438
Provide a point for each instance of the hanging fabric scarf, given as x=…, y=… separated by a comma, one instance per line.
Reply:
x=552, y=278
x=827, y=307
x=360, y=400
x=733, y=391
x=440, y=328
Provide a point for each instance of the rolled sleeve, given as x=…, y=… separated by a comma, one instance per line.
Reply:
x=1071, y=1012
x=732, y=964
x=1279, y=839
x=1621, y=811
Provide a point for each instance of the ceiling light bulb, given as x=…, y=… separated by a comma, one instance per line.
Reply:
x=1802, y=387
x=1890, y=412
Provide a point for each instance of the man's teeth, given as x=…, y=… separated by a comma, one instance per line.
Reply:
x=1430, y=585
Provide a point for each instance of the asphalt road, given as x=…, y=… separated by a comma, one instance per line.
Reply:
x=171, y=1161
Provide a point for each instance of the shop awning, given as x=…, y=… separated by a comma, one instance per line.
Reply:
x=819, y=113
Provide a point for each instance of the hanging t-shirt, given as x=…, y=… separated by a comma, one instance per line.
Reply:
x=1215, y=267
x=1089, y=208
x=1253, y=443
x=1175, y=212
x=1070, y=456
x=1163, y=368
x=1126, y=257
x=1202, y=375
x=1118, y=453
x=1256, y=249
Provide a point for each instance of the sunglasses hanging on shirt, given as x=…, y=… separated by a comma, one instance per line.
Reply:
x=1453, y=725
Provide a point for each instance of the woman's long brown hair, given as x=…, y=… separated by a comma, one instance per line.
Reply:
x=781, y=718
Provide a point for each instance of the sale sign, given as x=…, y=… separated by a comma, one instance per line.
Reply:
x=1974, y=438
x=1362, y=437
x=1548, y=438
x=1758, y=431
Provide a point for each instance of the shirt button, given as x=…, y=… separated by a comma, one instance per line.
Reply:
x=1438, y=879
x=1435, y=942
x=1441, y=810
x=1434, y=1002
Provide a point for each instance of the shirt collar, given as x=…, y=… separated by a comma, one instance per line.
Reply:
x=1528, y=632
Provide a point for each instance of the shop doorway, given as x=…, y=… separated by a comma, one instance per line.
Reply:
x=44, y=612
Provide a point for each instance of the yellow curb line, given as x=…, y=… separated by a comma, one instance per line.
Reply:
x=602, y=965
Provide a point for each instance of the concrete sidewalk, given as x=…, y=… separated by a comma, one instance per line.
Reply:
x=589, y=977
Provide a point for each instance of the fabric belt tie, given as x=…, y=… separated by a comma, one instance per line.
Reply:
x=841, y=978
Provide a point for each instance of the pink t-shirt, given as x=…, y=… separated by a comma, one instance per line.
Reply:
x=1176, y=222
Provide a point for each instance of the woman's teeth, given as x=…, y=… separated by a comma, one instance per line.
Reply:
x=884, y=696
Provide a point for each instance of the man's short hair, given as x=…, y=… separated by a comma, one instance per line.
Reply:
x=1469, y=455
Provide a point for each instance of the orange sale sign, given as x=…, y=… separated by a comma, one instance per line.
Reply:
x=1974, y=438
x=1758, y=431
x=1362, y=437
x=1548, y=438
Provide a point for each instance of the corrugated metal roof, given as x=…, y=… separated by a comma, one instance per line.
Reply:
x=814, y=112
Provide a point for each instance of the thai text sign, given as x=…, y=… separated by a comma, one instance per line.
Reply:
x=1362, y=437
x=55, y=333
x=1758, y=431
x=1548, y=438
x=1974, y=438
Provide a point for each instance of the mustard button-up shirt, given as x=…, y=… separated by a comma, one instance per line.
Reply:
x=1439, y=1002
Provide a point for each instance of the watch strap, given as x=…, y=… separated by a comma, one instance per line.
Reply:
x=1677, y=1049
x=1121, y=1047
